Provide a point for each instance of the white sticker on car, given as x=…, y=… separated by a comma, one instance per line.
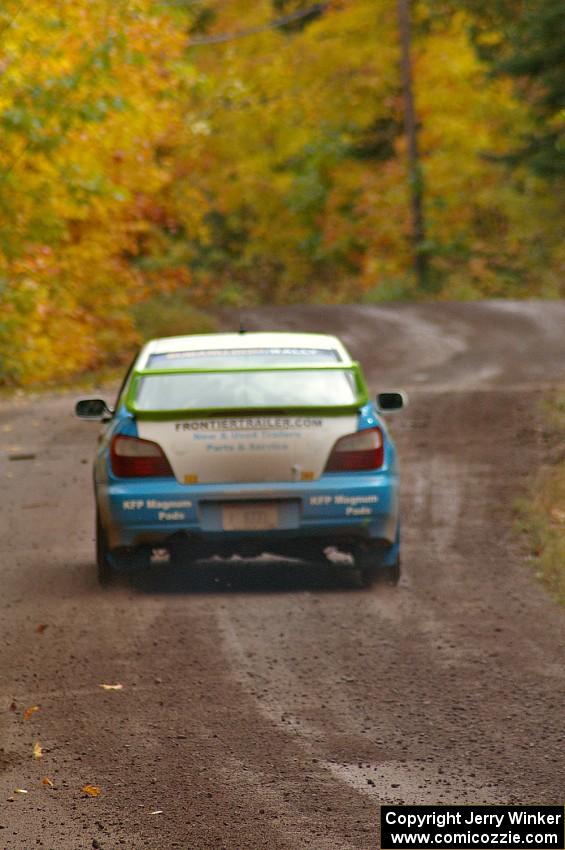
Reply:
x=347, y=501
x=155, y=504
x=248, y=448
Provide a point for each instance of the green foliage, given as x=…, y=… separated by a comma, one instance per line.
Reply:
x=537, y=60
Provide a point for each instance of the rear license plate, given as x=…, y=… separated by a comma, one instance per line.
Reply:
x=250, y=517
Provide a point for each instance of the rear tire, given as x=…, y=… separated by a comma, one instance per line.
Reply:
x=391, y=574
x=106, y=571
x=371, y=569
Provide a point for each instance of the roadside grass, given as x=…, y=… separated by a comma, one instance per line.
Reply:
x=542, y=514
x=171, y=315
x=103, y=379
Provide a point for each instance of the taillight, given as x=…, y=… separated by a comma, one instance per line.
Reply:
x=363, y=450
x=135, y=458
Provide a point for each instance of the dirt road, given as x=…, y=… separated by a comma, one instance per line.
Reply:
x=263, y=706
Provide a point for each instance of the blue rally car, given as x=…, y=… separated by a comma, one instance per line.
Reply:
x=246, y=443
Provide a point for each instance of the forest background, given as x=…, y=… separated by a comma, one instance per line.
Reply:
x=184, y=154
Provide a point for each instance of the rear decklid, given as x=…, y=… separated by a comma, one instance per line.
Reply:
x=249, y=415
x=249, y=448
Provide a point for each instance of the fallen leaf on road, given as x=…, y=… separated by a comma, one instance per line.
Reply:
x=92, y=790
x=47, y=782
x=13, y=706
x=116, y=687
x=41, y=628
x=557, y=514
x=37, y=750
x=30, y=711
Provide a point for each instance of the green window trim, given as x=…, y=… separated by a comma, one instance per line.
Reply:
x=199, y=413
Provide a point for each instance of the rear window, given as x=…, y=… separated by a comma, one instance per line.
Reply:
x=240, y=390
x=245, y=357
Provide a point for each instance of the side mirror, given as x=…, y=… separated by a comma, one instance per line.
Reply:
x=94, y=409
x=388, y=402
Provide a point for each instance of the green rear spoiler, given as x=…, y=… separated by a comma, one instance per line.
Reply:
x=192, y=413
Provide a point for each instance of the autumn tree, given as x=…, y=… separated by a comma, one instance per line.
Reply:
x=254, y=153
x=525, y=42
x=84, y=104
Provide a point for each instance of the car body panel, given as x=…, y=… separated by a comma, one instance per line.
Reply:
x=137, y=512
x=285, y=347
x=247, y=448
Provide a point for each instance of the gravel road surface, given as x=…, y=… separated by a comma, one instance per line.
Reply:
x=264, y=705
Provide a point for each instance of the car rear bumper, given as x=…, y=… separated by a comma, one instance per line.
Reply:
x=336, y=507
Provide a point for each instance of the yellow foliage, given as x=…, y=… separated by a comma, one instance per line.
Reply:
x=270, y=167
x=85, y=104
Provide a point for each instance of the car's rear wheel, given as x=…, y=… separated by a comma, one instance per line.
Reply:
x=390, y=574
x=369, y=562
x=106, y=571
x=371, y=573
